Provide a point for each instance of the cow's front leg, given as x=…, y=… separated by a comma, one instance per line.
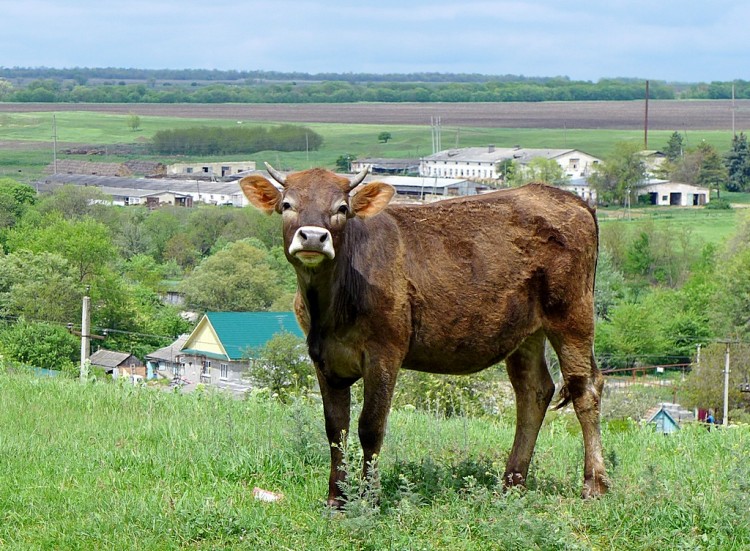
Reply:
x=336, y=403
x=379, y=383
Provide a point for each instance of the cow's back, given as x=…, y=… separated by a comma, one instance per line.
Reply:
x=485, y=271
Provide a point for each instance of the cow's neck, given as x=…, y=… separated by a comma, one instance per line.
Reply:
x=334, y=294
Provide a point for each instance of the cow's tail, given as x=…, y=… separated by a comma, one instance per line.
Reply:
x=564, y=397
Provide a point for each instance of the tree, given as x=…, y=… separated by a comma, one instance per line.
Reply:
x=383, y=137
x=132, y=237
x=538, y=169
x=738, y=164
x=41, y=286
x=282, y=365
x=610, y=284
x=344, y=162
x=86, y=243
x=159, y=227
x=675, y=147
x=507, y=169
x=616, y=178
x=134, y=122
x=39, y=345
x=704, y=385
x=631, y=336
x=72, y=201
x=712, y=172
x=237, y=278
x=15, y=198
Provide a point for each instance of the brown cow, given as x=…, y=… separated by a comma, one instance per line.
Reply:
x=451, y=287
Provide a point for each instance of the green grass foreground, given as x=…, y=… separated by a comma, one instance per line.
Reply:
x=103, y=466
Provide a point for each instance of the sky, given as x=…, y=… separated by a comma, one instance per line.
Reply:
x=671, y=40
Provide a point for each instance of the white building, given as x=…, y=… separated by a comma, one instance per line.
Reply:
x=666, y=193
x=483, y=163
x=429, y=188
x=220, y=170
x=581, y=187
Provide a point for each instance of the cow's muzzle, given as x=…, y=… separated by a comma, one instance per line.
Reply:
x=311, y=245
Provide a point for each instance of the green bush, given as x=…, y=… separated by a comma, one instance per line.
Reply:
x=718, y=204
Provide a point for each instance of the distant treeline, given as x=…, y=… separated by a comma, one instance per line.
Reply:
x=83, y=74
x=224, y=141
x=211, y=86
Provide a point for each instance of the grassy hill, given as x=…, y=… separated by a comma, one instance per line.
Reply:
x=103, y=466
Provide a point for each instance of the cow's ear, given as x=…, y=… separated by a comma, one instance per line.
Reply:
x=261, y=193
x=371, y=198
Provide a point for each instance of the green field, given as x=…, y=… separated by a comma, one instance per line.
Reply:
x=104, y=466
x=700, y=225
x=27, y=139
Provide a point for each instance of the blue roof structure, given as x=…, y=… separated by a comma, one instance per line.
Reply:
x=240, y=332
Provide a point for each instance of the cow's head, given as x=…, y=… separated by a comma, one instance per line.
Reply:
x=315, y=206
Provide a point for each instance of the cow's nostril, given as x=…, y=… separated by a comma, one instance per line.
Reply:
x=323, y=237
x=303, y=235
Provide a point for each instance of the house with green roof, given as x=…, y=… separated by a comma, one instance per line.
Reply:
x=221, y=346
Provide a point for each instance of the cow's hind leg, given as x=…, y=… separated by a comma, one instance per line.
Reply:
x=534, y=389
x=583, y=383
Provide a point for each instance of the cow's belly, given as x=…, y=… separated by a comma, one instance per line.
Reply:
x=465, y=340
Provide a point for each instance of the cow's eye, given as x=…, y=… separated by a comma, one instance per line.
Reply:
x=343, y=209
x=286, y=205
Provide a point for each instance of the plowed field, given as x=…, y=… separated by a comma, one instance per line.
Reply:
x=625, y=115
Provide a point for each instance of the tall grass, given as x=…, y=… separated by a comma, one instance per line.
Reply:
x=114, y=467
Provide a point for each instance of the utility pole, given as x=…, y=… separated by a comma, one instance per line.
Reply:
x=645, y=122
x=734, y=108
x=725, y=420
x=54, y=144
x=85, y=335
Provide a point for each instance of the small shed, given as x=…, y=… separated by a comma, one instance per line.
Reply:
x=664, y=421
x=166, y=360
x=118, y=363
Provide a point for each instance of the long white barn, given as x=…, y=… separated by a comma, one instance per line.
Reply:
x=483, y=163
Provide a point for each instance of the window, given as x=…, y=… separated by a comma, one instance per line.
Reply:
x=224, y=371
x=189, y=170
x=206, y=367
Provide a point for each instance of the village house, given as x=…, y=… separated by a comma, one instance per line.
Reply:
x=222, y=345
x=166, y=361
x=118, y=364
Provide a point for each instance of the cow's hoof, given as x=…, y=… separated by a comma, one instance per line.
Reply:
x=594, y=487
x=334, y=504
x=511, y=480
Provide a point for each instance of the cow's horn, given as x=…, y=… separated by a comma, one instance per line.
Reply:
x=359, y=177
x=280, y=177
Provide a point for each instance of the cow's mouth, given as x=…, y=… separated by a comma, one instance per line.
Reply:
x=310, y=258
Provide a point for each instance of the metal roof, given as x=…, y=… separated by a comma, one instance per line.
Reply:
x=240, y=332
x=495, y=154
x=150, y=185
x=169, y=353
x=108, y=358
